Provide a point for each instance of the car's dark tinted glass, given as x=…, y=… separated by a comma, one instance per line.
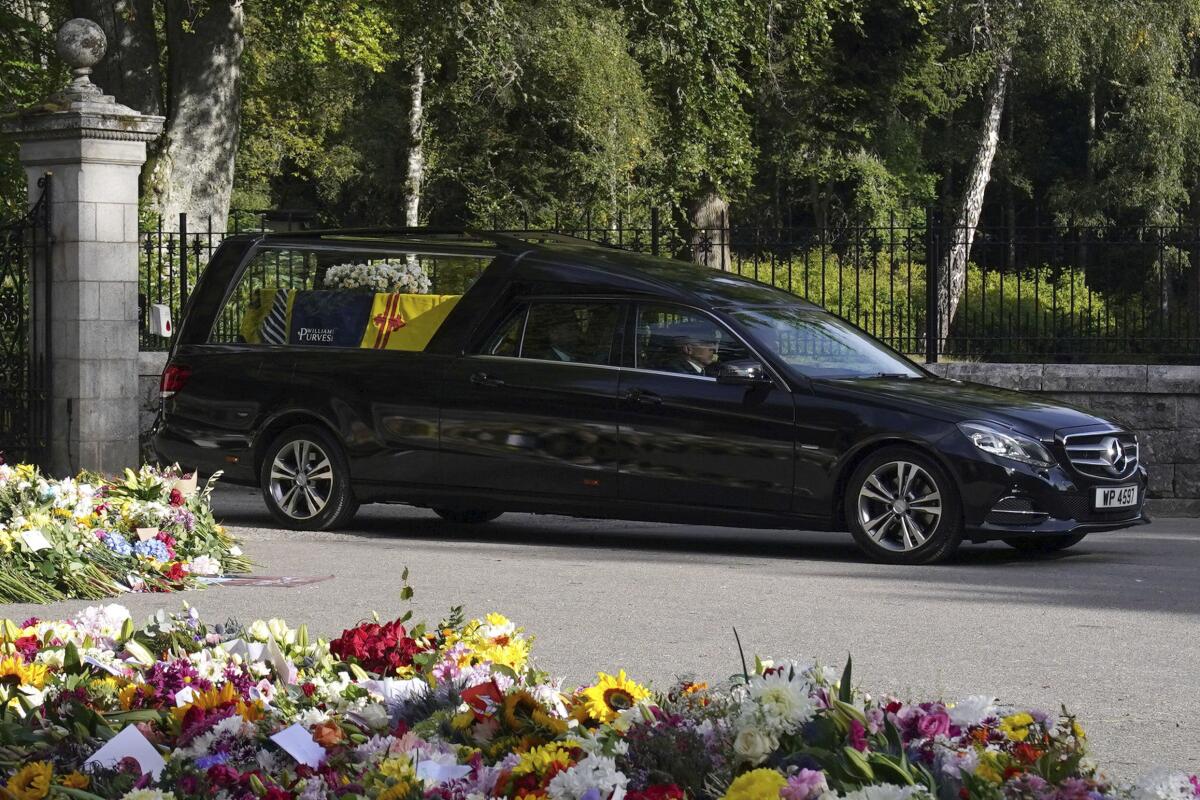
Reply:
x=506, y=340
x=581, y=333
x=820, y=345
x=671, y=338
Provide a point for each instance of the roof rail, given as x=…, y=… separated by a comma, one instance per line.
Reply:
x=509, y=240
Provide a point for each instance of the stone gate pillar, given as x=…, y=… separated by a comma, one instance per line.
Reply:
x=95, y=148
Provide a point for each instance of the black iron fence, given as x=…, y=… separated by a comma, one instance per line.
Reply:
x=1044, y=293
x=25, y=313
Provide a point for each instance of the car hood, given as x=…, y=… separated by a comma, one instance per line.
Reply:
x=957, y=401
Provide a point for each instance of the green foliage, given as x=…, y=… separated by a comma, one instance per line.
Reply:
x=29, y=71
x=1027, y=312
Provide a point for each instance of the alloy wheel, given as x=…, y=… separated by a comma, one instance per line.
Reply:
x=301, y=479
x=899, y=506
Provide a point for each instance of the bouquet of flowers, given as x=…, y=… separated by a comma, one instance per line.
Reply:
x=96, y=707
x=93, y=537
x=379, y=276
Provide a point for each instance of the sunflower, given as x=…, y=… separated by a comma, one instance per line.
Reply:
x=523, y=714
x=26, y=674
x=32, y=782
x=611, y=695
x=75, y=780
x=219, y=698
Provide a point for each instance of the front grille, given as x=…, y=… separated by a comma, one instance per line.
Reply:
x=1111, y=455
x=1015, y=511
x=1079, y=508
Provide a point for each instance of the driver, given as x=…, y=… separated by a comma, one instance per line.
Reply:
x=696, y=346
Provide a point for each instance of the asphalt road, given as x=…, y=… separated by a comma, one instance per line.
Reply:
x=1110, y=628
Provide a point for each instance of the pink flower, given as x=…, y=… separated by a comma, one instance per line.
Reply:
x=1195, y=779
x=804, y=785
x=934, y=724
x=858, y=736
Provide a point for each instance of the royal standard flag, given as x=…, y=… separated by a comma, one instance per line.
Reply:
x=406, y=321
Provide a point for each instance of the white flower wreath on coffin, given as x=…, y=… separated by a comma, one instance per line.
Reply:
x=381, y=276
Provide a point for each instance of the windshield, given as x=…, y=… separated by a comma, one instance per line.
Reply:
x=820, y=345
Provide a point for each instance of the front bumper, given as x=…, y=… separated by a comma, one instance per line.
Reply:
x=1054, y=502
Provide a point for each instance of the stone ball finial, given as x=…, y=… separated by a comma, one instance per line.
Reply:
x=81, y=44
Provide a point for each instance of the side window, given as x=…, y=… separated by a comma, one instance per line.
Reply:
x=506, y=341
x=344, y=298
x=574, y=332
x=677, y=339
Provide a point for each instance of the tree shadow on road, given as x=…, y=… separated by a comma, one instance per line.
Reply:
x=1158, y=573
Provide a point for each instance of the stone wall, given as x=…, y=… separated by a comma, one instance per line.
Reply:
x=150, y=367
x=1161, y=404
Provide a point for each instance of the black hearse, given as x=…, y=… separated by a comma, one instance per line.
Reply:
x=544, y=374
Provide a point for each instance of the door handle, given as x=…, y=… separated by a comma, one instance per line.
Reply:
x=483, y=379
x=642, y=397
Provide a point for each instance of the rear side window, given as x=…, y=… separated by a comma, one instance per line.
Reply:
x=561, y=331
x=343, y=298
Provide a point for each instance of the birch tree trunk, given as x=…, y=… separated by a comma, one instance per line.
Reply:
x=953, y=274
x=709, y=219
x=193, y=171
x=416, y=147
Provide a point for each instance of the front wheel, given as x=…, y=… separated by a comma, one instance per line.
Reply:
x=305, y=480
x=902, y=508
x=1044, y=544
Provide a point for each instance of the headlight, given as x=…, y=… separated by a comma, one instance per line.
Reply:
x=1007, y=444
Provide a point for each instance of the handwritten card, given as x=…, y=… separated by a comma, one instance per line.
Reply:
x=299, y=744
x=285, y=670
x=35, y=540
x=129, y=743
x=431, y=772
x=145, y=534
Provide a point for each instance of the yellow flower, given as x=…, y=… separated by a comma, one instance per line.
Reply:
x=990, y=767
x=32, y=782
x=757, y=784
x=26, y=674
x=400, y=769
x=1077, y=729
x=216, y=698
x=611, y=695
x=396, y=791
x=1016, y=726
x=539, y=760
x=75, y=780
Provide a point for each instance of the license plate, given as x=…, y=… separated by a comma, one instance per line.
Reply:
x=1116, y=497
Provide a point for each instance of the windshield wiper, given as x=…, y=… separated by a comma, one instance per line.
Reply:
x=900, y=375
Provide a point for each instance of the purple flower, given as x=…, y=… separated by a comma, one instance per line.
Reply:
x=1195, y=779
x=804, y=785
x=934, y=724
x=204, y=762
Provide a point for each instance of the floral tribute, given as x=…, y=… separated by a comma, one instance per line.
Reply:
x=380, y=276
x=95, y=707
x=94, y=537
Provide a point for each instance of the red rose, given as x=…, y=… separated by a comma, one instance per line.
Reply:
x=309, y=689
x=176, y=497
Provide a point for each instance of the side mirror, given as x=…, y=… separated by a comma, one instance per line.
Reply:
x=160, y=321
x=742, y=373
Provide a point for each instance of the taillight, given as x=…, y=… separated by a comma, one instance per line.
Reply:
x=174, y=378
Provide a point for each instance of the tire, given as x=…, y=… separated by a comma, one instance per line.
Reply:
x=1044, y=544
x=322, y=500
x=472, y=516
x=884, y=524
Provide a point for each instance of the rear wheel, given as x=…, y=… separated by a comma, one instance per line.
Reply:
x=902, y=508
x=466, y=517
x=305, y=480
x=1044, y=544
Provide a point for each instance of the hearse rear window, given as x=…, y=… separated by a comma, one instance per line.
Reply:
x=344, y=298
